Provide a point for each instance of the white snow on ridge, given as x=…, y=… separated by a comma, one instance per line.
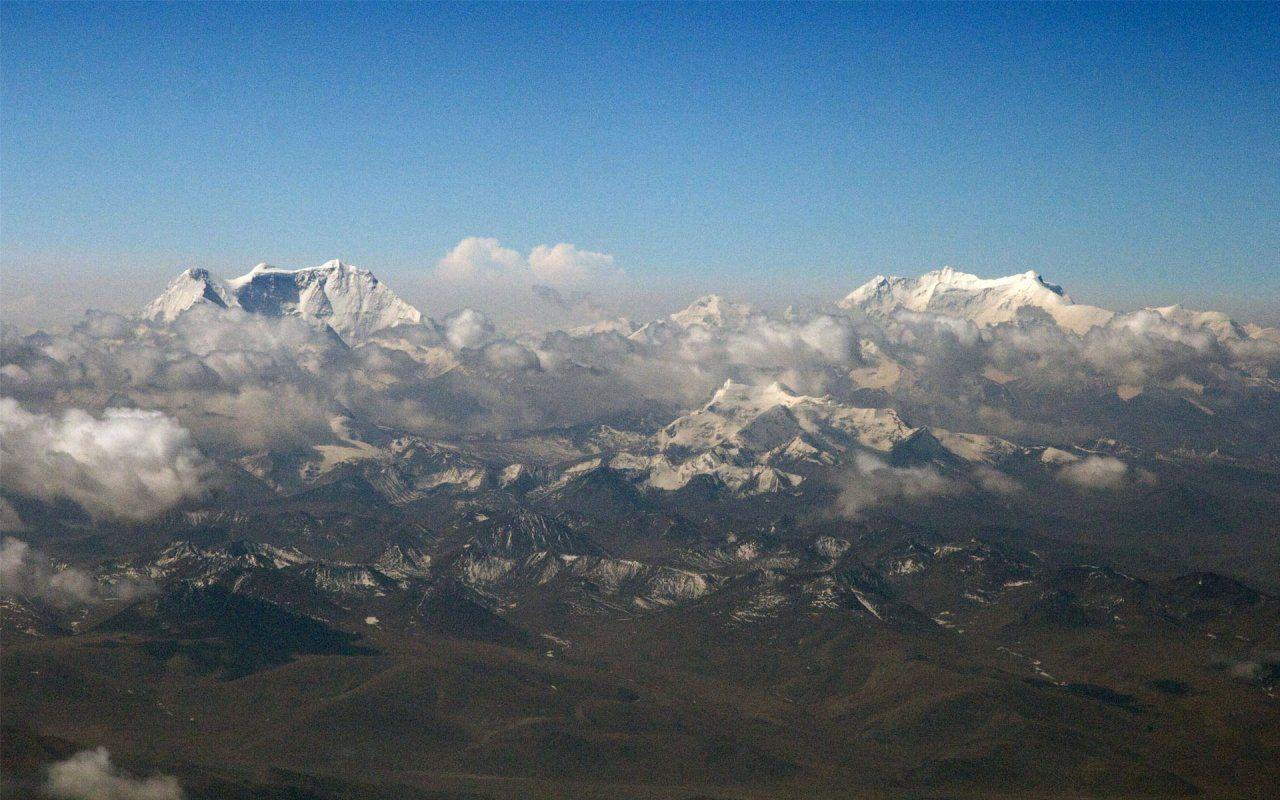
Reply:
x=711, y=311
x=351, y=301
x=750, y=438
x=951, y=293
x=737, y=413
x=1215, y=322
x=193, y=287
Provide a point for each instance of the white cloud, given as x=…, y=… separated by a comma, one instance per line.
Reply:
x=485, y=260
x=509, y=356
x=995, y=481
x=1096, y=472
x=24, y=571
x=241, y=382
x=129, y=463
x=565, y=263
x=874, y=483
x=479, y=257
x=468, y=328
x=280, y=416
x=90, y=775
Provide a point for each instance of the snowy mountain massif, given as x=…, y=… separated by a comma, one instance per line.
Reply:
x=351, y=301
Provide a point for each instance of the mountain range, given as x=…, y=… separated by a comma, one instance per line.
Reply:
x=285, y=536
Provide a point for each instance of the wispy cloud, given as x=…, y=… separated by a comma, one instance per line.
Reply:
x=872, y=484
x=29, y=573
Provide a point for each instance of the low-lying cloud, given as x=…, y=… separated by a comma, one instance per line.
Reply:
x=29, y=573
x=1096, y=472
x=90, y=775
x=872, y=483
x=127, y=463
x=242, y=383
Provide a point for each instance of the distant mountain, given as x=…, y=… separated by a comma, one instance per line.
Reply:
x=710, y=312
x=1215, y=322
x=948, y=292
x=351, y=301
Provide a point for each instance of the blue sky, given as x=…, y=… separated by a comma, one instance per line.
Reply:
x=1128, y=152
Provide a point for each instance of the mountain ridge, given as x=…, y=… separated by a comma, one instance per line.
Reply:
x=351, y=301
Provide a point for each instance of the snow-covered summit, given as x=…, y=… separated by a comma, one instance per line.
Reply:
x=761, y=417
x=760, y=438
x=985, y=301
x=193, y=287
x=351, y=301
x=711, y=311
x=1219, y=324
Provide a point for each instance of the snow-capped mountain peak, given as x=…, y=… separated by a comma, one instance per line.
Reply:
x=194, y=286
x=985, y=301
x=761, y=438
x=708, y=313
x=761, y=417
x=747, y=397
x=351, y=301
x=711, y=311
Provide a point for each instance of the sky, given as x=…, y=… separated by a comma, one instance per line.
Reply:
x=1128, y=152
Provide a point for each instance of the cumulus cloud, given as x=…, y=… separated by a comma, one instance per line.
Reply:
x=1096, y=472
x=550, y=295
x=282, y=416
x=90, y=775
x=872, y=483
x=128, y=463
x=480, y=257
x=468, y=328
x=29, y=573
x=771, y=342
x=566, y=263
x=995, y=481
x=485, y=259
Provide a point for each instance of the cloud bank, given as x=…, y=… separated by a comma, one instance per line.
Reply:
x=239, y=384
